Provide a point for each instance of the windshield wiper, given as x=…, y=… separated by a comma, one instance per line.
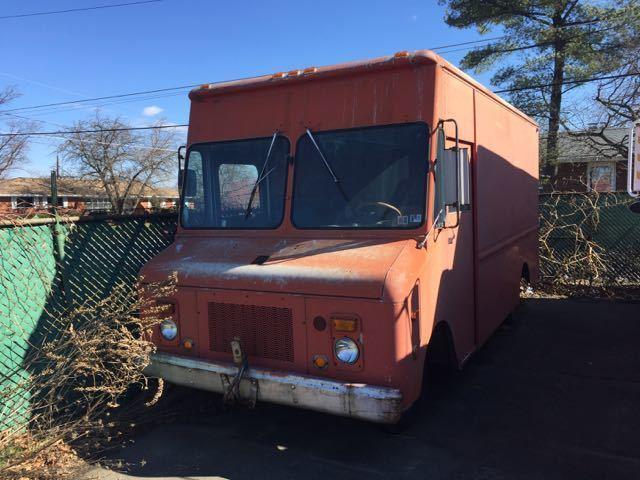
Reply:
x=336, y=180
x=261, y=177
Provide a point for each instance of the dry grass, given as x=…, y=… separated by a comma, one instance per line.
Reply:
x=64, y=407
x=77, y=381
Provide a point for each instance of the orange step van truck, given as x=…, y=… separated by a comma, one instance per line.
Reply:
x=340, y=227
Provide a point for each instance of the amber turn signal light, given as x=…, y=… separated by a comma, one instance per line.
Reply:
x=344, y=324
x=320, y=361
x=188, y=343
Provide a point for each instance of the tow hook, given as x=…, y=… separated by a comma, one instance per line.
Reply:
x=232, y=393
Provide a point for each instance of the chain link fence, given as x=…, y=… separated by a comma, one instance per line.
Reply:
x=69, y=326
x=589, y=239
x=56, y=276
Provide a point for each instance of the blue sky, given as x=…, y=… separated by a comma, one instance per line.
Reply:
x=78, y=55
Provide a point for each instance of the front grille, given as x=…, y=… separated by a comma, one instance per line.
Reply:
x=265, y=332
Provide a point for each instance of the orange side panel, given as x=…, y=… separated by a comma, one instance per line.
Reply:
x=506, y=204
x=456, y=101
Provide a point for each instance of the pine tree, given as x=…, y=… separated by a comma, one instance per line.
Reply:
x=545, y=44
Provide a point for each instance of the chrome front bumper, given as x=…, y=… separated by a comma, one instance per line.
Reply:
x=366, y=402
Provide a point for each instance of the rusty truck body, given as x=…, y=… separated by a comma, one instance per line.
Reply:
x=342, y=226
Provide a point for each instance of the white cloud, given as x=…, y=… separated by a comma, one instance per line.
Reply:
x=152, y=111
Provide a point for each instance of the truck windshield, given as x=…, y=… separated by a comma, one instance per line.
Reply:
x=219, y=180
x=379, y=181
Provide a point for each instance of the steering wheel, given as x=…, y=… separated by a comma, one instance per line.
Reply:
x=360, y=210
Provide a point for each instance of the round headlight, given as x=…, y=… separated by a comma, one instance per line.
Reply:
x=169, y=330
x=346, y=350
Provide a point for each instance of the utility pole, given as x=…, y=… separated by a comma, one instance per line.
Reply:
x=57, y=166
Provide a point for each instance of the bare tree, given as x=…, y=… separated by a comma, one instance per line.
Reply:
x=127, y=165
x=13, y=142
x=615, y=104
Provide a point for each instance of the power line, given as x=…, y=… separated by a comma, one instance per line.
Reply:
x=98, y=130
x=45, y=142
x=507, y=90
x=98, y=7
x=124, y=129
x=184, y=87
x=587, y=22
x=52, y=106
x=468, y=43
x=568, y=82
x=54, y=110
x=107, y=97
x=534, y=45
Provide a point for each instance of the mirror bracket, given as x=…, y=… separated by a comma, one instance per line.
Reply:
x=181, y=157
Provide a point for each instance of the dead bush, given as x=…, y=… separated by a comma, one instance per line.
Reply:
x=81, y=361
x=587, y=245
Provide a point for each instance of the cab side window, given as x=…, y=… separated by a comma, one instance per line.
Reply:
x=194, y=211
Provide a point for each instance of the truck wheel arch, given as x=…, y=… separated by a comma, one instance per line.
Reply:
x=441, y=351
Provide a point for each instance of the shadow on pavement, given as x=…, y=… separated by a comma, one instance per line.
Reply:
x=553, y=394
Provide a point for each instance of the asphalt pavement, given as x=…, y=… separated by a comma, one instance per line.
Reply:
x=555, y=394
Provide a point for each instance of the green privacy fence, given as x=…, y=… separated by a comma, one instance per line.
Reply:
x=37, y=280
x=590, y=239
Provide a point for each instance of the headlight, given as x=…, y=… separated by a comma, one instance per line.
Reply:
x=169, y=330
x=346, y=350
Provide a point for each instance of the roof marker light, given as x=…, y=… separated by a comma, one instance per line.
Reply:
x=279, y=75
x=294, y=73
x=402, y=54
x=309, y=70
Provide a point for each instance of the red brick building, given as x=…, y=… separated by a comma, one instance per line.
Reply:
x=588, y=164
x=30, y=195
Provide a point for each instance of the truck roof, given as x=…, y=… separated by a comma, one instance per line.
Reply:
x=399, y=60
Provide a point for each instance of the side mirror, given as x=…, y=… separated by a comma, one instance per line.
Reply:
x=180, y=179
x=440, y=210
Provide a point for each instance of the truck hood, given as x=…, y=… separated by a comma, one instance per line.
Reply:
x=334, y=267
